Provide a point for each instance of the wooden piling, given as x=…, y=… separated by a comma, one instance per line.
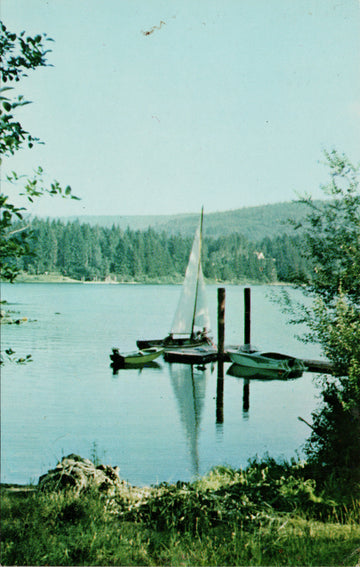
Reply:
x=247, y=316
x=221, y=349
x=246, y=396
x=220, y=394
x=221, y=323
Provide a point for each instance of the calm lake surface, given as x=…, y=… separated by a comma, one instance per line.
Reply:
x=156, y=424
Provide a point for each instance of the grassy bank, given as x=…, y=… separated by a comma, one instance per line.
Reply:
x=265, y=515
x=23, y=277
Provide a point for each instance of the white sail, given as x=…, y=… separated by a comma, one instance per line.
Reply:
x=192, y=312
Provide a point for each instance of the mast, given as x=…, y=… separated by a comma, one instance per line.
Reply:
x=192, y=310
x=198, y=273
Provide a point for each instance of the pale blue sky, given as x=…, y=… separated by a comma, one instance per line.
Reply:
x=229, y=104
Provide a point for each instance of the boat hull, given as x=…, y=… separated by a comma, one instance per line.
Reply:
x=256, y=360
x=281, y=363
x=135, y=358
x=170, y=343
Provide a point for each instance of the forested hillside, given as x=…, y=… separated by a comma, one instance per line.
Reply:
x=255, y=223
x=93, y=253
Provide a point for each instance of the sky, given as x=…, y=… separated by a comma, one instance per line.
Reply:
x=162, y=107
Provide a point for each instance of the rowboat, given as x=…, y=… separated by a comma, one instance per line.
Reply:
x=135, y=358
x=258, y=360
x=191, y=323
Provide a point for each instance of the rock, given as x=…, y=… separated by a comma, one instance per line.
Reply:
x=79, y=474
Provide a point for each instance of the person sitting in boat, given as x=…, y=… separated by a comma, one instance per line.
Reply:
x=201, y=335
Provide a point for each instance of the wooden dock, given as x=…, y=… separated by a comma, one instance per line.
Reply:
x=323, y=366
x=206, y=354
x=196, y=355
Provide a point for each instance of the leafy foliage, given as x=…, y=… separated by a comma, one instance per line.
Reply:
x=15, y=236
x=332, y=234
x=19, y=54
x=244, y=497
x=332, y=247
x=335, y=438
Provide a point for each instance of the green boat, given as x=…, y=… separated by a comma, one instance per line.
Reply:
x=135, y=358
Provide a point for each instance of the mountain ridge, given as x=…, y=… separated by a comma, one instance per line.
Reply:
x=253, y=222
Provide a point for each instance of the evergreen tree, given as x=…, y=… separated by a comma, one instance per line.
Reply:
x=85, y=252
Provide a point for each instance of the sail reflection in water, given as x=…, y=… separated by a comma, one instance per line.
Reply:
x=189, y=386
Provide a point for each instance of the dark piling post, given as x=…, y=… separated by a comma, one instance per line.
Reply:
x=220, y=396
x=246, y=392
x=221, y=323
x=220, y=364
x=247, y=317
x=247, y=341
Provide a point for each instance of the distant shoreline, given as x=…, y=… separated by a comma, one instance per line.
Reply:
x=57, y=278
x=50, y=278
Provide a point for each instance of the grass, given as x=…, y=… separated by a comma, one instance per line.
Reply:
x=266, y=515
x=24, y=277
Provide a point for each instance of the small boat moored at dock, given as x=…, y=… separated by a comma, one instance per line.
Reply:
x=259, y=360
x=135, y=358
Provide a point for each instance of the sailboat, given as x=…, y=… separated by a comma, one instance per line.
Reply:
x=191, y=322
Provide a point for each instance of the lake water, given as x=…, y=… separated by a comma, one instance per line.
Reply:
x=156, y=424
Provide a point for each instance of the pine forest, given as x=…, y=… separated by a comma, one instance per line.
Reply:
x=94, y=253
